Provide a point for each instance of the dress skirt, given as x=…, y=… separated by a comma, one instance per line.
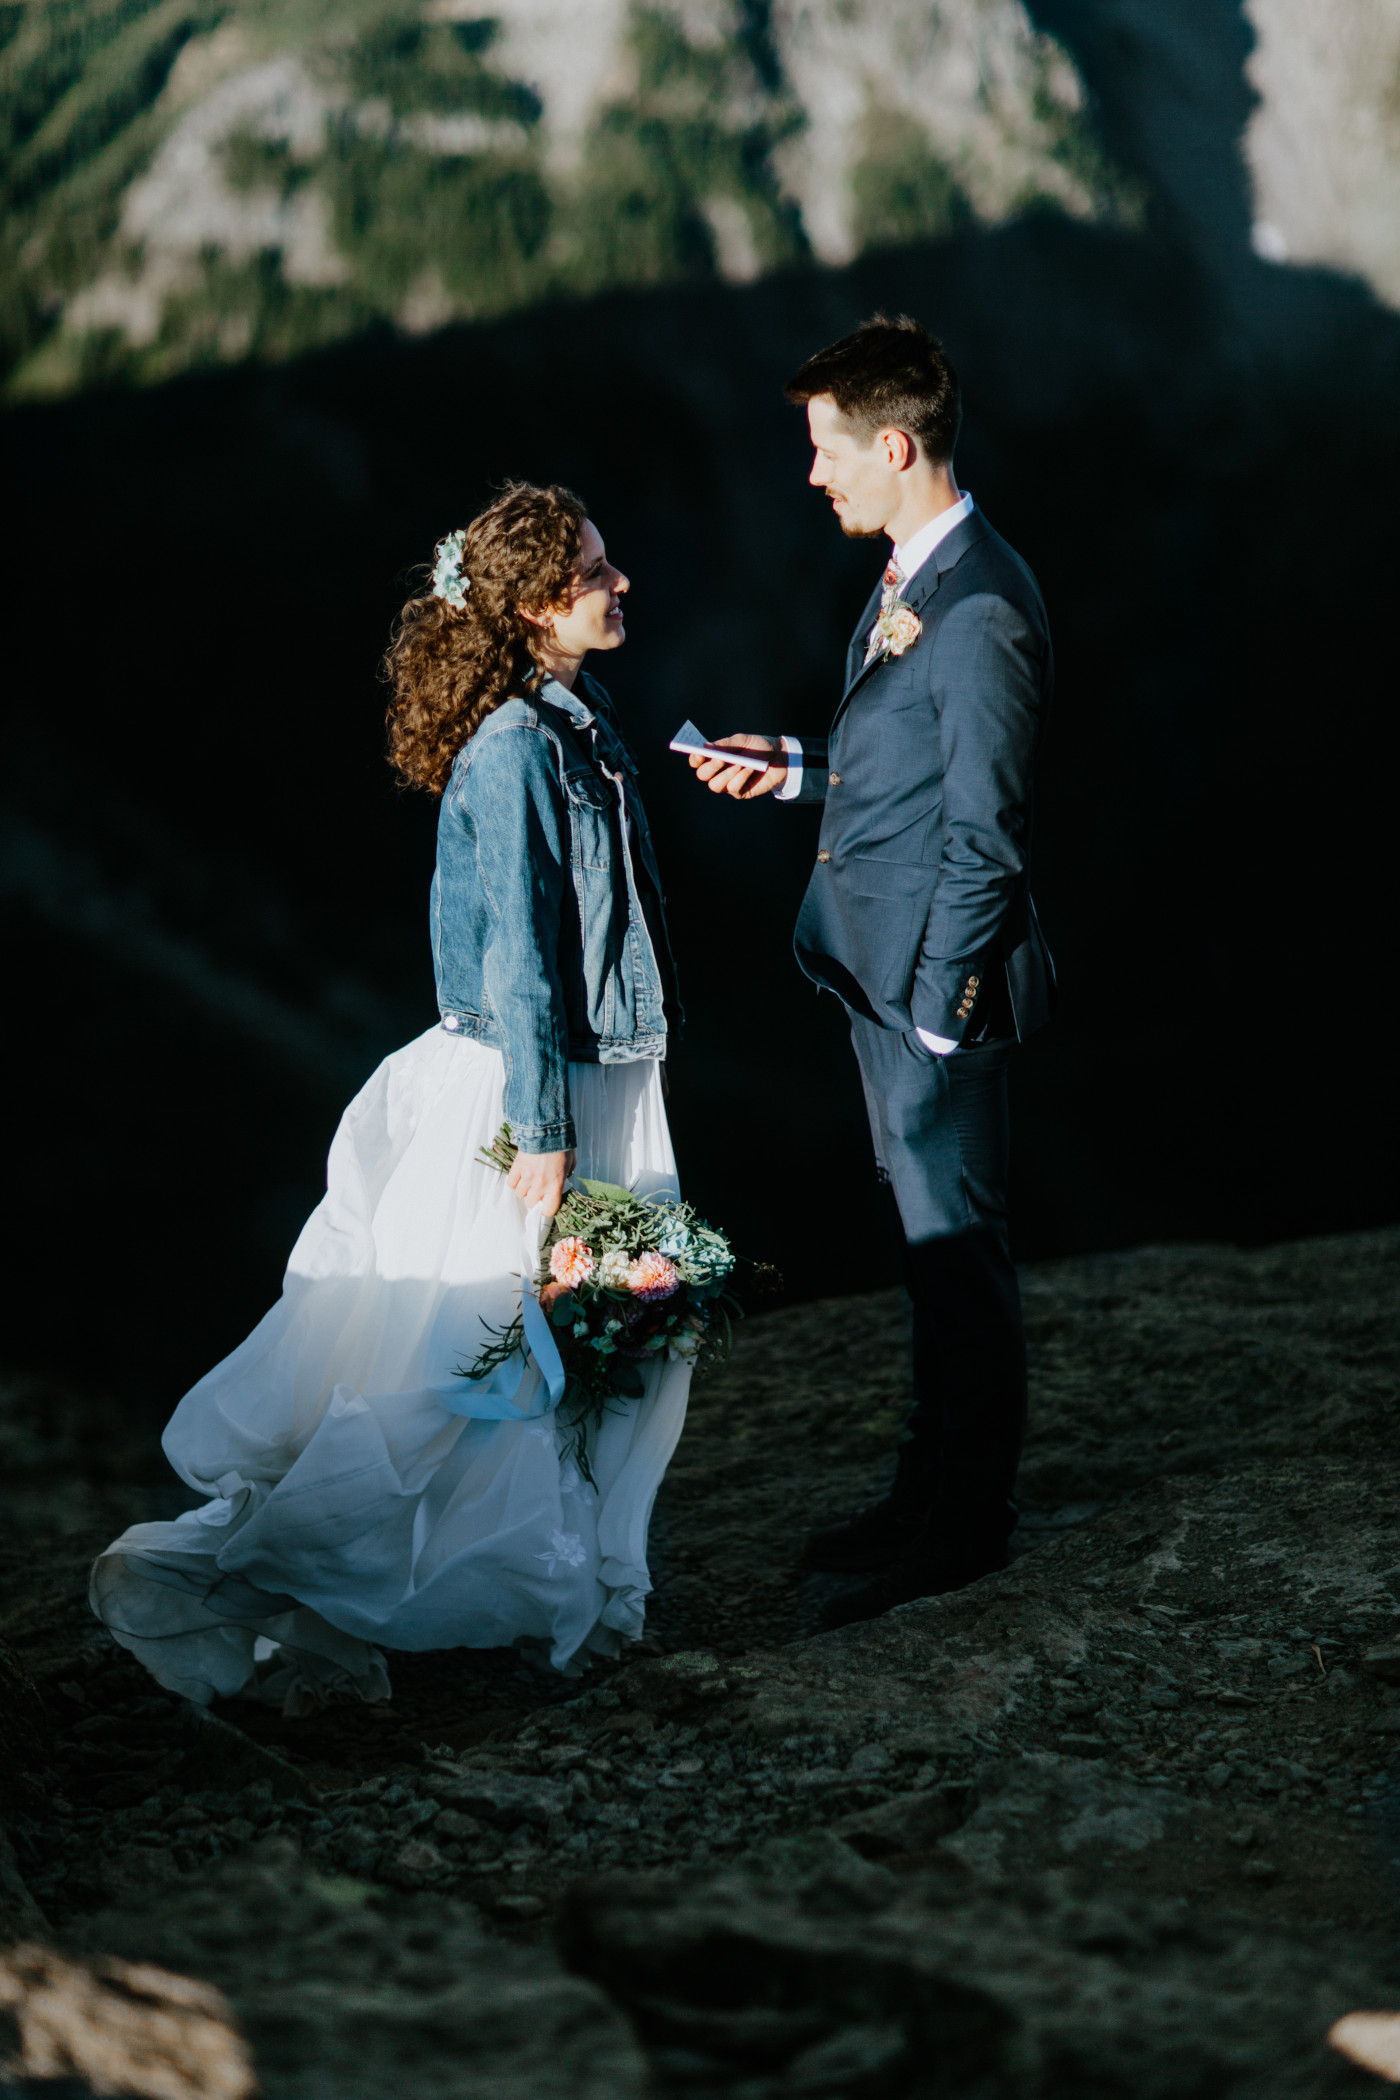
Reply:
x=348, y=1509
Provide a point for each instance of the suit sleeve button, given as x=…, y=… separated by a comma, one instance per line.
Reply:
x=823, y=855
x=972, y=983
x=835, y=779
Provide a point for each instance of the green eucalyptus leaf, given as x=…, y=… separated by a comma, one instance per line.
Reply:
x=609, y=1192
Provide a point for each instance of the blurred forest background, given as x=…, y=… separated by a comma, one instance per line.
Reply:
x=285, y=288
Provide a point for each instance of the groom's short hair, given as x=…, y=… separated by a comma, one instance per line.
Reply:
x=891, y=374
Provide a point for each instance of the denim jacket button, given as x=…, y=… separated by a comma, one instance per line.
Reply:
x=451, y=1021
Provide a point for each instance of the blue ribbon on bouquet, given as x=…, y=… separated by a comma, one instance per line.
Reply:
x=493, y=1399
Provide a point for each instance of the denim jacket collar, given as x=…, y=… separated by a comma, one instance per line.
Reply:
x=550, y=690
x=595, y=721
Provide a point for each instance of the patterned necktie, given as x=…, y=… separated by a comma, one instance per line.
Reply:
x=891, y=583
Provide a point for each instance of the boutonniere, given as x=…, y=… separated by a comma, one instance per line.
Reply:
x=896, y=630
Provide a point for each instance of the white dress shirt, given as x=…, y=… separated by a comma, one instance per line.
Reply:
x=908, y=559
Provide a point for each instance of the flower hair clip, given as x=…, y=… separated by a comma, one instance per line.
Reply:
x=450, y=580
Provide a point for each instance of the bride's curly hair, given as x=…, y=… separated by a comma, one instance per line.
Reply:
x=449, y=666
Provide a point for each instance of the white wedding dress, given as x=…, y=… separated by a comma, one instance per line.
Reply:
x=349, y=1508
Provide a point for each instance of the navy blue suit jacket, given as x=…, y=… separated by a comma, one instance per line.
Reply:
x=920, y=896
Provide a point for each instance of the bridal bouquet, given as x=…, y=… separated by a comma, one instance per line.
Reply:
x=624, y=1280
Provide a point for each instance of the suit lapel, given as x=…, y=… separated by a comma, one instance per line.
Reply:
x=944, y=557
x=855, y=652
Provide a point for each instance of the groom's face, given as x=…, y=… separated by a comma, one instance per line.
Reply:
x=859, y=476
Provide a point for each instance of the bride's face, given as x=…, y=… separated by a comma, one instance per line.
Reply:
x=592, y=619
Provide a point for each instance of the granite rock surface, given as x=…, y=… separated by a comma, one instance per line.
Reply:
x=1120, y=1820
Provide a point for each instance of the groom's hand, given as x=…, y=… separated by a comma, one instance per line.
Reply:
x=739, y=781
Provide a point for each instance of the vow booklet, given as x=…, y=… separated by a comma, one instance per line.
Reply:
x=688, y=739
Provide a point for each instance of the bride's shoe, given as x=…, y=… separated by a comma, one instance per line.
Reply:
x=863, y=1544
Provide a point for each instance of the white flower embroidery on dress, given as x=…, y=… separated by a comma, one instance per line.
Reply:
x=566, y=1547
x=572, y=1482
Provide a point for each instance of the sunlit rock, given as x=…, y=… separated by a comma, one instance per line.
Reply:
x=122, y=2027
x=1323, y=145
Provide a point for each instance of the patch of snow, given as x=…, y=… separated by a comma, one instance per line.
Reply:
x=969, y=73
x=735, y=252
x=462, y=132
x=575, y=58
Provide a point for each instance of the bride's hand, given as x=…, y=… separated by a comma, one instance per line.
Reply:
x=539, y=1177
x=739, y=781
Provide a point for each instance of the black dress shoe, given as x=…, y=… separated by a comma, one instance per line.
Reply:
x=920, y=1572
x=874, y=1539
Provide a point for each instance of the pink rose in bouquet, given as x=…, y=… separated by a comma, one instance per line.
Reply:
x=571, y=1263
x=652, y=1276
x=632, y=1282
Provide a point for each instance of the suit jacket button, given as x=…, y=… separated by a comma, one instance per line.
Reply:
x=835, y=779
x=972, y=983
x=823, y=855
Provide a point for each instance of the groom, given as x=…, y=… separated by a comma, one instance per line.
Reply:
x=918, y=915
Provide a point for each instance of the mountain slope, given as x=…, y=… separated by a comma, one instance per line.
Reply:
x=194, y=181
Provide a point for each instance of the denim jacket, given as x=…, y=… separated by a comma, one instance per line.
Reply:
x=549, y=934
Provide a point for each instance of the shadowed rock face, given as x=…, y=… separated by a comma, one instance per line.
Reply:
x=338, y=1994
x=1118, y=1821
x=25, y=1732
x=828, y=1981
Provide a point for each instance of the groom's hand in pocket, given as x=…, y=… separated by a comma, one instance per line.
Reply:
x=741, y=781
x=539, y=1177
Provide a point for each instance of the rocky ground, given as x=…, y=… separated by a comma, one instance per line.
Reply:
x=1117, y=1822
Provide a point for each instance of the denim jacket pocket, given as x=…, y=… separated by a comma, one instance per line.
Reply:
x=591, y=818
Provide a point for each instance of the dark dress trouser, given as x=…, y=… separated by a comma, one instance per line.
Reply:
x=942, y=1143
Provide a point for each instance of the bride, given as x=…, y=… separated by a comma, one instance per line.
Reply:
x=360, y=1495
